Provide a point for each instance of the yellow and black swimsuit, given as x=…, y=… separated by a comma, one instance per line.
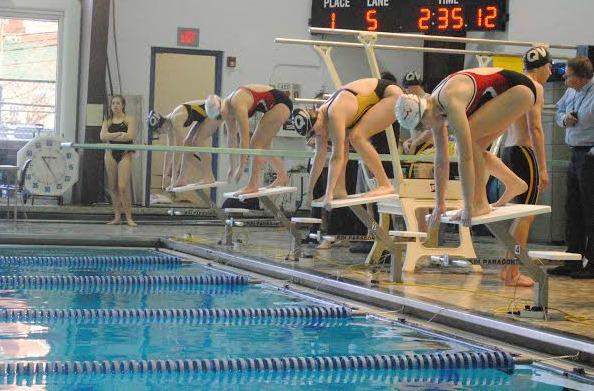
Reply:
x=195, y=113
x=364, y=102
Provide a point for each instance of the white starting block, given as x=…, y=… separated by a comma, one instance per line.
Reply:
x=501, y=213
x=264, y=194
x=499, y=222
x=375, y=232
x=352, y=200
x=296, y=242
x=419, y=194
x=554, y=256
x=197, y=186
x=232, y=215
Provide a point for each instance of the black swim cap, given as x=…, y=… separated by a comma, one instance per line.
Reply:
x=536, y=57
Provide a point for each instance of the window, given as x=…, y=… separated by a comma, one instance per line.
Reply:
x=28, y=72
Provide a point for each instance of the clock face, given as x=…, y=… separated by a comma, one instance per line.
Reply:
x=53, y=169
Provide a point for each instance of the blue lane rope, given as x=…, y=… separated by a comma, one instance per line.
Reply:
x=440, y=361
x=30, y=282
x=468, y=378
x=90, y=260
x=144, y=289
x=115, y=315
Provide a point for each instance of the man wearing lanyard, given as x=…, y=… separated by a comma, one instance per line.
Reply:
x=575, y=113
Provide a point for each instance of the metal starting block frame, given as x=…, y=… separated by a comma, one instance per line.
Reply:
x=499, y=222
x=355, y=202
x=202, y=190
x=264, y=194
x=295, y=251
x=232, y=221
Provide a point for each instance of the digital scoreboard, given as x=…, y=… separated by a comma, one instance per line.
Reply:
x=398, y=16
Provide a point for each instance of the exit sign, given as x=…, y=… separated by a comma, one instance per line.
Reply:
x=188, y=37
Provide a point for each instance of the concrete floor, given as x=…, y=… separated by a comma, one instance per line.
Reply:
x=478, y=293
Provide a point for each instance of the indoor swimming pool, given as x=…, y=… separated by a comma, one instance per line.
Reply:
x=164, y=322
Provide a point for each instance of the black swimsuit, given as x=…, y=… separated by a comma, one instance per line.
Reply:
x=115, y=128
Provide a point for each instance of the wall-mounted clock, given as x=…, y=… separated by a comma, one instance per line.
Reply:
x=53, y=169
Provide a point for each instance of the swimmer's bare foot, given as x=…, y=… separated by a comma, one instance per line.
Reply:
x=247, y=190
x=340, y=194
x=115, y=221
x=131, y=222
x=379, y=191
x=466, y=218
x=512, y=190
x=513, y=277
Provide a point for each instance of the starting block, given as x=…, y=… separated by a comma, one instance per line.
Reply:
x=355, y=202
x=498, y=221
x=296, y=242
x=232, y=215
x=264, y=194
x=202, y=190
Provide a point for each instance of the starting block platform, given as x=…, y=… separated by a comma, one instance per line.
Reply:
x=501, y=213
x=354, y=199
x=262, y=192
x=197, y=186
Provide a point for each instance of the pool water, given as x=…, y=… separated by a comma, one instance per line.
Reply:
x=218, y=338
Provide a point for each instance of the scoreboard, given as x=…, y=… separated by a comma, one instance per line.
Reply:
x=396, y=16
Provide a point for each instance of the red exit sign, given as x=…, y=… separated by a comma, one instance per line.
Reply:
x=188, y=37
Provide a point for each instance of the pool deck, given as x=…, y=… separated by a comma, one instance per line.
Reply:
x=476, y=294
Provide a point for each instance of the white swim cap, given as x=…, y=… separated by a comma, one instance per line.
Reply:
x=213, y=107
x=409, y=110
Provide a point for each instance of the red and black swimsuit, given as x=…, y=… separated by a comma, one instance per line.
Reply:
x=487, y=87
x=264, y=101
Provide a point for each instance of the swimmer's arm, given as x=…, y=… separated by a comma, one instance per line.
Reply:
x=231, y=130
x=536, y=133
x=318, y=163
x=336, y=160
x=130, y=135
x=459, y=123
x=425, y=136
x=105, y=135
x=442, y=164
x=244, y=127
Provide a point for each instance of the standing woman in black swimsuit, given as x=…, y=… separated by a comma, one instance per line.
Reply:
x=119, y=128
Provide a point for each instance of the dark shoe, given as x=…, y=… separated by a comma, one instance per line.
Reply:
x=584, y=273
x=361, y=248
x=564, y=270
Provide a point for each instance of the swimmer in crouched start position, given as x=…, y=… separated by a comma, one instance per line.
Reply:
x=187, y=125
x=478, y=105
x=236, y=110
x=353, y=114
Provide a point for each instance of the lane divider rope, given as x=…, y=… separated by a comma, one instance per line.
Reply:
x=16, y=282
x=144, y=289
x=440, y=360
x=88, y=260
x=44, y=315
x=206, y=380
